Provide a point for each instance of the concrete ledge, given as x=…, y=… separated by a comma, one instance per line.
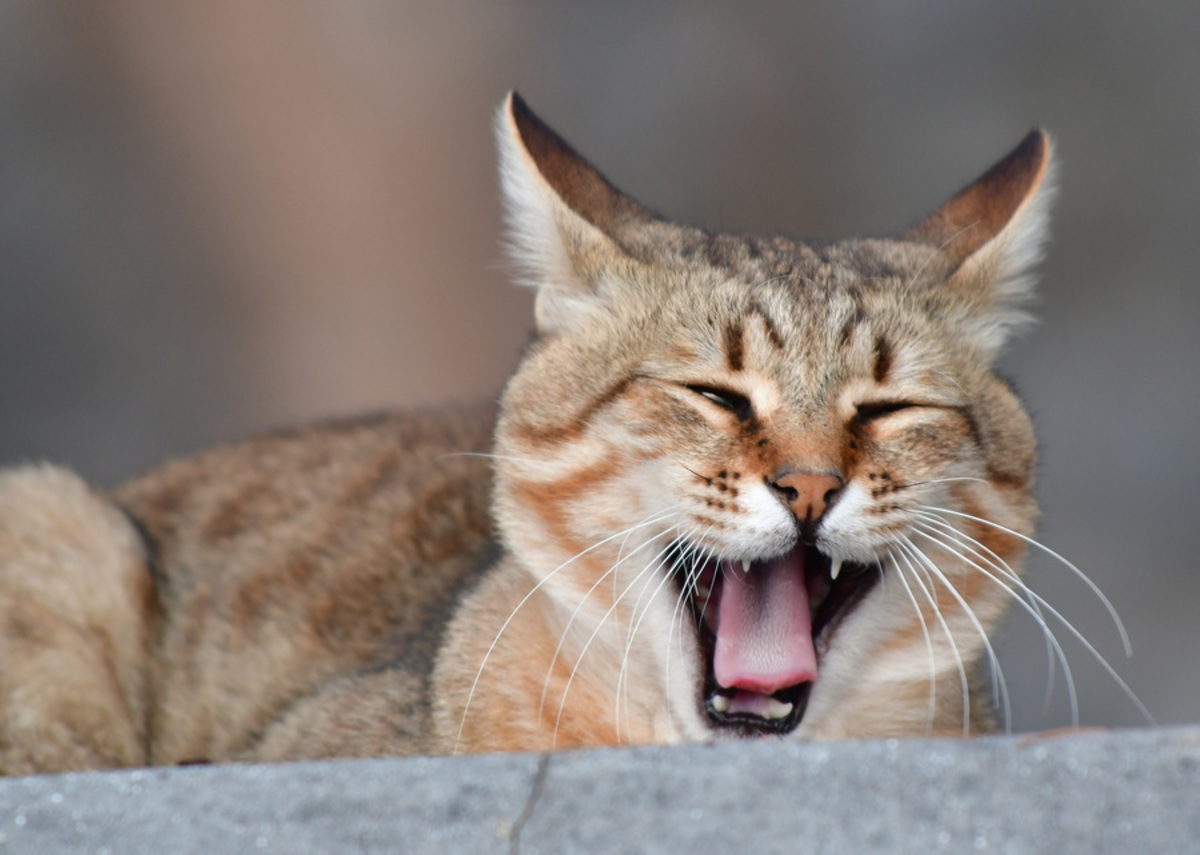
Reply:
x=1118, y=792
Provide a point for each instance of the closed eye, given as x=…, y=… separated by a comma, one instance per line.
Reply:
x=727, y=399
x=869, y=411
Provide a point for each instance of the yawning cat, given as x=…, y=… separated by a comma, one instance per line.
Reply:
x=737, y=487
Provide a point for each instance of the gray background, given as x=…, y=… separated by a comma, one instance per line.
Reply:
x=222, y=217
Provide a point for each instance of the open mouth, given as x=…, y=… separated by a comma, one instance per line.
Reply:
x=763, y=626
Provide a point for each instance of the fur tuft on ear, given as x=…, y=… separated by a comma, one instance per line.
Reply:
x=990, y=236
x=562, y=216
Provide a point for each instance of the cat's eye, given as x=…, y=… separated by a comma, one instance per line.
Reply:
x=727, y=399
x=869, y=411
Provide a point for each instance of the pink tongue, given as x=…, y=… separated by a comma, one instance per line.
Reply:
x=764, y=632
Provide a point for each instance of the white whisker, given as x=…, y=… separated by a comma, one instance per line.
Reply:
x=491, y=647
x=562, y=637
x=928, y=642
x=1025, y=598
x=1082, y=576
x=1112, y=672
x=909, y=484
x=579, y=660
x=999, y=684
x=962, y=671
x=656, y=563
x=622, y=681
x=698, y=556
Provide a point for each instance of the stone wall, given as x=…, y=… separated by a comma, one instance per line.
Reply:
x=1102, y=792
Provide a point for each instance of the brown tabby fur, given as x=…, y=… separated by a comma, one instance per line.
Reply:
x=391, y=586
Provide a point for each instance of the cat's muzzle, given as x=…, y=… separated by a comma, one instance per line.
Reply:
x=763, y=627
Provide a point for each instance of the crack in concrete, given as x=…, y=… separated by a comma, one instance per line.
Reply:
x=535, y=793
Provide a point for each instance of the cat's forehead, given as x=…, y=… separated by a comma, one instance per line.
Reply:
x=753, y=260
x=804, y=318
x=804, y=286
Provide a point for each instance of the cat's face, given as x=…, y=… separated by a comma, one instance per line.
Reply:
x=752, y=468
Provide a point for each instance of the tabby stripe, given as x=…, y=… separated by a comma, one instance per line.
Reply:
x=848, y=328
x=735, y=346
x=575, y=427
x=551, y=501
x=883, y=359
x=1001, y=478
x=772, y=331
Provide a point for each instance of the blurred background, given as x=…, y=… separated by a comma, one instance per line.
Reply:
x=222, y=217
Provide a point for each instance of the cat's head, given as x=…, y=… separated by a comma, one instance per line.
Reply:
x=784, y=475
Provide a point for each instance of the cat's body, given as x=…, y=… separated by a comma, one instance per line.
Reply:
x=706, y=430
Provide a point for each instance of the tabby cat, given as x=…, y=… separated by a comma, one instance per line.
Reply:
x=738, y=487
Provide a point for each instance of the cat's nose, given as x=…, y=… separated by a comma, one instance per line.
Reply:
x=808, y=494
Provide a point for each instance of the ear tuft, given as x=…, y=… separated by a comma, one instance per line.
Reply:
x=990, y=235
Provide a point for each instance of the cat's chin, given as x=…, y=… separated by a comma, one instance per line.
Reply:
x=763, y=627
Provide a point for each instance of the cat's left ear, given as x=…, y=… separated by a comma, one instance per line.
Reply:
x=990, y=235
x=565, y=219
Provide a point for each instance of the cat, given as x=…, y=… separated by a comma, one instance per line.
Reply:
x=738, y=487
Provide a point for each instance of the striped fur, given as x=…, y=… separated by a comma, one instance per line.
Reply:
x=429, y=583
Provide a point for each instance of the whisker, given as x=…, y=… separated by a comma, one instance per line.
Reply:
x=698, y=556
x=562, y=638
x=1034, y=612
x=911, y=484
x=999, y=684
x=673, y=547
x=622, y=680
x=656, y=563
x=962, y=671
x=1129, y=693
x=491, y=647
x=579, y=660
x=1082, y=576
x=928, y=642
x=1025, y=598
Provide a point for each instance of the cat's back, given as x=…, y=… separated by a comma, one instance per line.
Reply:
x=293, y=568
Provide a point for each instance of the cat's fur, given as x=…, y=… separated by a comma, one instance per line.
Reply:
x=405, y=584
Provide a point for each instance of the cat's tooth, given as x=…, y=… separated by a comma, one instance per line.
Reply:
x=778, y=709
x=835, y=567
x=720, y=703
x=745, y=566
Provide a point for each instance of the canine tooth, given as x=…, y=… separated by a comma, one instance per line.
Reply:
x=745, y=566
x=720, y=703
x=777, y=708
x=835, y=567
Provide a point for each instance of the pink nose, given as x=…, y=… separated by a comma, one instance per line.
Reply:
x=808, y=494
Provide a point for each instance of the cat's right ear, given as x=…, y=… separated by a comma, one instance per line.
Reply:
x=564, y=217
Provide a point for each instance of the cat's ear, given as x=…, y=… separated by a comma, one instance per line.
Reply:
x=990, y=235
x=564, y=217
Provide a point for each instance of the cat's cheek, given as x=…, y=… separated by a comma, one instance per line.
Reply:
x=686, y=719
x=672, y=701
